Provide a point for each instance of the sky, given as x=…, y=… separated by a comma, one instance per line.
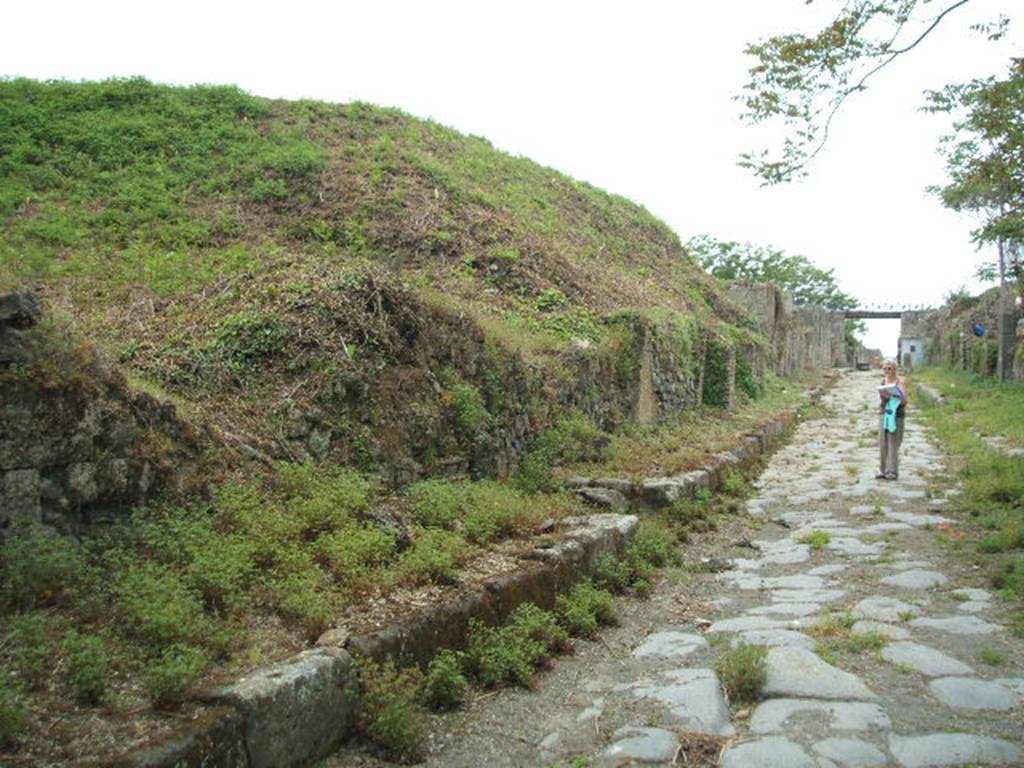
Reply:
x=636, y=98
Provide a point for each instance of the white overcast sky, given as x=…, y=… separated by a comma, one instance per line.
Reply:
x=634, y=97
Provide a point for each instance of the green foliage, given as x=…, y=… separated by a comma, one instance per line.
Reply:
x=158, y=606
x=13, y=713
x=511, y=654
x=37, y=568
x=484, y=511
x=799, y=81
x=27, y=636
x=445, y=686
x=169, y=678
x=325, y=498
x=389, y=709
x=654, y=543
x=613, y=574
x=716, y=373
x=816, y=540
x=88, y=666
x=301, y=598
x=352, y=553
x=572, y=440
x=585, y=608
x=247, y=339
x=983, y=157
x=433, y=558
x=796, y=274
x=743, y=672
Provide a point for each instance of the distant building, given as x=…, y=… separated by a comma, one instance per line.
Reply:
x=911, y=351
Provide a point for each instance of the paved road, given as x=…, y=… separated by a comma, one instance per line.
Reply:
x=942, y=683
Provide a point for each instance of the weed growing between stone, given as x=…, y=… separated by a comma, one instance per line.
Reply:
x=816, y=540
x=743, y=672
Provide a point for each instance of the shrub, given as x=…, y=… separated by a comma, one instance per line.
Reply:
x=36, y=568
x=653, y=544
x=88, y=666
x=325, y=499
x=485, y=510
x=13, y=714
x=613, y=574
x=533, y=622
x=389, y=709
x=169, y=678
x=433, y=558
x=585, y=608
x=300, y=599
x=31, y=651
x=743, y=672
x=445, y=684
x=351, y=553
x=496, y=656
x=572, y=440
x=158, y=606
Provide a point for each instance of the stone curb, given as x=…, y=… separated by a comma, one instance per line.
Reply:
x=660, y=492
x=930, y=394
x=302, y=709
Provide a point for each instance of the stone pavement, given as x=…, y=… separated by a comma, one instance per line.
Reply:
x=942, y=683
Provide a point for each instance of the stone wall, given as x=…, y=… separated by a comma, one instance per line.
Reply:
x=950, y=338
x=802, y=336
x=76, y=445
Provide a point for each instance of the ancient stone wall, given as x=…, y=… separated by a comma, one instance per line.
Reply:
x=952, y=339
x=802, y=336
x=76, y=445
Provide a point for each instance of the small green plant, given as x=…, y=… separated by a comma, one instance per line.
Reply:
x=158, y=606
x=390, y=714
x=13, y=713
x=994, y=657
x=246, y=339
x=613, y=574
x=30, y=648
x=586, y=608
x=36, y=568
x=446, y=685
x=169, y=678
x=511, y=654
x=434, y=557
x=743, y=672
x=816, y=540
x=907, y=615
x=88, y=666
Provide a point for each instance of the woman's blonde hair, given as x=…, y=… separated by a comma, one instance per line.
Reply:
x=892, y=362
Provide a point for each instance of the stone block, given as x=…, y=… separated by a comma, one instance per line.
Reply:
x=625, y=487
x=297, y=711
x=215, y=737
x=661, y=491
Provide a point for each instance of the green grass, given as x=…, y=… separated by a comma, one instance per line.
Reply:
x=993, y=483
x=816, y=540
x=743, y=672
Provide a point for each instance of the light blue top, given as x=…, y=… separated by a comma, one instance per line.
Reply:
x=891, y=405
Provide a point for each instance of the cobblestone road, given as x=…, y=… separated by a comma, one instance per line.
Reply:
x=939, y=680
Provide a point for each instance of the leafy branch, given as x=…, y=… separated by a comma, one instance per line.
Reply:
x=802, y=81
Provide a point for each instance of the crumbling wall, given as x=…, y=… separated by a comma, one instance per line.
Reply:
x=77, y=446
x=802, y=336
x=952, y=339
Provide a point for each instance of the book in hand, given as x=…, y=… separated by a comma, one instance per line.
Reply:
x=889, y=389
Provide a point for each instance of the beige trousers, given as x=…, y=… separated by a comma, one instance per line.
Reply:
x=889, y=449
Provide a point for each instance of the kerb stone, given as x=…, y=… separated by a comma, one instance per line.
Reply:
x=297, y=711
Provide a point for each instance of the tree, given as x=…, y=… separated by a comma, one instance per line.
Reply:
x=985, y=153
x=985, y=163
x=800, y=82
x=796, y=274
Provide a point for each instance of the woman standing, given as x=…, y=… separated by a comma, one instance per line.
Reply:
x=893, y=408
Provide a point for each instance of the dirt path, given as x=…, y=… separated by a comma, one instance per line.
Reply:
x=937, y=681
